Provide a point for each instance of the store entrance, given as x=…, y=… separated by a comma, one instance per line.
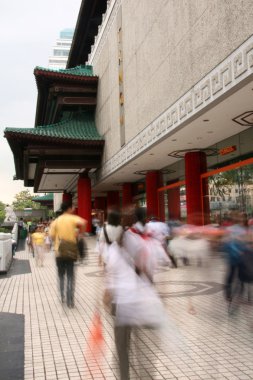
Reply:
x=173, y=199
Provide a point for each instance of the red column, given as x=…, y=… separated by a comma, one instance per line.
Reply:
x=66, y=197
x=195, y=165
x=84, y=200
x=113, y=200
x=76, y=211
x=174, y=203
x=155, y=201
x=127, y=195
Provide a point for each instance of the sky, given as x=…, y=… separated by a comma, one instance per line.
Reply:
x=28, y=31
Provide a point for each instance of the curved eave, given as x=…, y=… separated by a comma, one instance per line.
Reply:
x=60, y=140
x=43, y=202
x=64, y=76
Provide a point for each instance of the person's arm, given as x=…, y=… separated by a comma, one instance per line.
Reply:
x=81, y=224
x=52, y=230
x=33, y=236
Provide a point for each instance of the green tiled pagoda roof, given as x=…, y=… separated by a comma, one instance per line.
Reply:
x=81, y=127
x=44, y=198
x=82, y=70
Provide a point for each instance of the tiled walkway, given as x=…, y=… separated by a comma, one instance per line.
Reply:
x=207, y=345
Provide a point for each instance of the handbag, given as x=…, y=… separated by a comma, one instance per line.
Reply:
x=145, y=311
x=68, y=250
x=82, y=247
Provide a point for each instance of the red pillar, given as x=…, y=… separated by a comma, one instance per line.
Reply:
x=67, y=197
x=155, y=201
x=84, y=200
x=174, y=203
x=127, y=195
x=113, y=200
x=195, y=165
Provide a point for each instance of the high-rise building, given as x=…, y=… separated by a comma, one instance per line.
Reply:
x=61, y=50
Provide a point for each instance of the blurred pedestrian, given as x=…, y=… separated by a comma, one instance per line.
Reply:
x=111, y=232
x=38, y=239
x=161, y=232
x=64, y=232
x=129, y=286
x=47, y=240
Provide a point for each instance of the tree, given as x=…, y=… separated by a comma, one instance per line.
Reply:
x=2, y=212
x=24, y=199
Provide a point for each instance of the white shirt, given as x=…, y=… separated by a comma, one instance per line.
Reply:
x=114, y=233
x=158, y=230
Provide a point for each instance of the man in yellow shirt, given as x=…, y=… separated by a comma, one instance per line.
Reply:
x=65, y=228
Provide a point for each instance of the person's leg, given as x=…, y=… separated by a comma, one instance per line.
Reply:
x=70, y=283
x=170, y=256
x=122, y=341
x=36, y=254
x=61, y=271
x=14, y=246
x=42, y=255
x=229, y=281
x=39, y=253
x=32, y=249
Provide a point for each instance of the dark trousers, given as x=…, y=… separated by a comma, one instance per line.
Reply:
x=232, y=272
x=172, y=258
x=123, y=336
x=122, y=340
x=66, y=266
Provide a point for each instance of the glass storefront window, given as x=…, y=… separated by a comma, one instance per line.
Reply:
x=229, y=191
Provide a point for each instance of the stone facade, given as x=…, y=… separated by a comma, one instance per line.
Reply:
x=168, y=47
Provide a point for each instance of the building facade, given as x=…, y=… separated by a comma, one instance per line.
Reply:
x=187, y=92
x=61, y=49
x=173, y=106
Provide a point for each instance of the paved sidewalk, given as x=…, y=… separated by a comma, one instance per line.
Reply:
x=211, y=344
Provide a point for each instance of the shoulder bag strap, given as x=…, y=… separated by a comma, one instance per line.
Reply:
x=106, y=236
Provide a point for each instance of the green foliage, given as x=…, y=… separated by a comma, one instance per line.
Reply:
x=24, y=200
x=5, y=230
x=51, y=213
x=2, y=212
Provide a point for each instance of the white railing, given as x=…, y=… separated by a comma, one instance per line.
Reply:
x=5, y=251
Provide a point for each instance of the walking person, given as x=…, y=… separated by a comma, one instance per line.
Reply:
x=38, y=239
x=129, y=288
x=64, y=232
x=111, y=232
x=161, y=232
x=47, y=240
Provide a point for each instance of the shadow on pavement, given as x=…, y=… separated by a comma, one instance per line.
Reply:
x=11, y=346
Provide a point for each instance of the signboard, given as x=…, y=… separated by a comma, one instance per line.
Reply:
x=227, y=150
